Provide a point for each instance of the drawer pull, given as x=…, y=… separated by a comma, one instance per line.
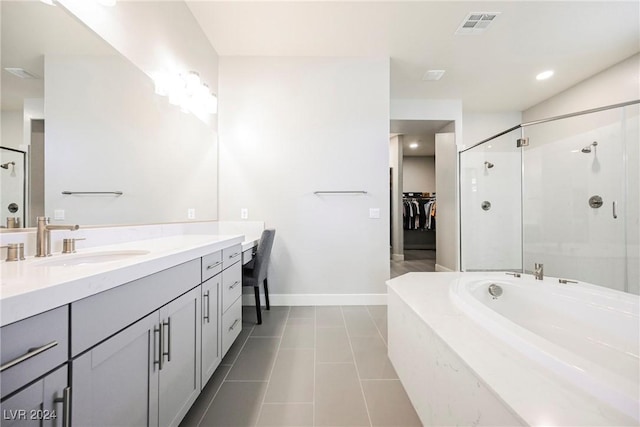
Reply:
x=236, y=283
x=167, y=353
x=159, y=361
x=234, y=255
x=30, y=353
x=209, y=267
x=66, y=406
x=234, y=325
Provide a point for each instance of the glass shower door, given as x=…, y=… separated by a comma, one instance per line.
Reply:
x=574, y=204
x=490, y=205
x=12, y=186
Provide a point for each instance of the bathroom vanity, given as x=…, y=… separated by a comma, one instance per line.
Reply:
x=125, y=334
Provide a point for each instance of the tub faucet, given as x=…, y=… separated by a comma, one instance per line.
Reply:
x=538, y=271
x=43, y=235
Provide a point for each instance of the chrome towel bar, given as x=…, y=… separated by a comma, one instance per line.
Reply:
x=341, y=192
x=115, y=193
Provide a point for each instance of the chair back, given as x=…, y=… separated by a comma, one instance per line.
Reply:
x=261, y=261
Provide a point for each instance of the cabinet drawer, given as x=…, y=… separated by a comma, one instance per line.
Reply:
x=247, y=256
x=231, y=325
x=32, y=347
x=231, y=255
x=231, y=285
x=211, y=265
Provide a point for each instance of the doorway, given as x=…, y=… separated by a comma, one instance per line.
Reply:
x=414, y=165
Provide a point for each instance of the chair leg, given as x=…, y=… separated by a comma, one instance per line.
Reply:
x=266, y=293
x=258, y=310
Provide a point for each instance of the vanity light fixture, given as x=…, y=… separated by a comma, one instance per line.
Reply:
x=186, y=91
x=544, y=75
x=413, y=145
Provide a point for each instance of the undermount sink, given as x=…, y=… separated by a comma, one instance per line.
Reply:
x=89, y=258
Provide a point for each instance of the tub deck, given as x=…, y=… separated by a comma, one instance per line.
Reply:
x=458, y=373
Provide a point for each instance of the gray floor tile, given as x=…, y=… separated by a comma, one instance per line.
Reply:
x=201, y=404
x=300, y=321
x=273, y=322
x=306, y=312
x=338, y=397
x=231, y=355
x=292, y=377
x=371, y=358
x=298, y=336
x=359, y=323
x=329, y=316
x=286, y=414
x=237, y=404
x=332, y=346
x=256, y=359
x=389, y=404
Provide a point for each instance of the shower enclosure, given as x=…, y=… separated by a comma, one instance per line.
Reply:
x=563, y=192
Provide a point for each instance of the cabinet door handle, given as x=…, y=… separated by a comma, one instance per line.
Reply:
x=168, y=352
x=234, y=255
x=32, y=352
x=236, y=283
x=159, y=347
x=209, y=267
x=234, y=325
x=615, y=210
x=206, y=317
x=66, y=406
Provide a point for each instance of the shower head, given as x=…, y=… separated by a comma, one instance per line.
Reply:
x=488, y=165
x=587, y=149
x=6, y=165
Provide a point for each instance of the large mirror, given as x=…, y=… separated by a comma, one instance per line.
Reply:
x=85, y=139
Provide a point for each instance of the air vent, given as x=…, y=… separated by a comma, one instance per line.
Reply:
x=476, y=23
x=22, y=73
x=432, y=75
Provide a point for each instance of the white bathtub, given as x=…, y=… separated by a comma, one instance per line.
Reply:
x=587, y=335
x=542, y=354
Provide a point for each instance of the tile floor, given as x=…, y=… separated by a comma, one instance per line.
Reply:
x=414, y=260
x=307, y=366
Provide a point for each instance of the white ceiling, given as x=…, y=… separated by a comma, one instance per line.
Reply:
x=491, y=72
x=421, y=132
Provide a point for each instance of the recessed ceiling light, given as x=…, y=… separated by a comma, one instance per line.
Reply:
x=432, y=75
x=544, y=75
x=413, y=145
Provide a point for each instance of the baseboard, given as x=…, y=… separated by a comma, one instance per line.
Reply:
x=443, y=268
x=397, y=257
x=318, y=299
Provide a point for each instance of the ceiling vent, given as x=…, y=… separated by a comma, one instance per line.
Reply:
x=432, y=75
x=476, y=23
x=22, y=73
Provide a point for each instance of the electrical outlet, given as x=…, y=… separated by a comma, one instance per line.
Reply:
x=244, y=213
x=374, y=213
x=191, y=213
x=58, y=214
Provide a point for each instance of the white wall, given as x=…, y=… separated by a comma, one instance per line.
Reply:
x=477, y=127
x=614, y=85
x=104, y=124
x=289, y=127
x=419, y=174
x=11, y=129
x=396, y=164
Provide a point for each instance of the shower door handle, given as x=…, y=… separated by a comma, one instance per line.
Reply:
x=615, y=210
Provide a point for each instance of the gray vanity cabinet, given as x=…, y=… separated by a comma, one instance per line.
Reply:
x=42, y=404
x=146, y=375
x=116, y=382
x=211, y=343
x=179, y=376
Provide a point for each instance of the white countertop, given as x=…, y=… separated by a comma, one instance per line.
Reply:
x=535, y=394
x=27, y=288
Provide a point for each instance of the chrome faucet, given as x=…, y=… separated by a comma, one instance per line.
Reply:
x=43, y=235
x=538, y=271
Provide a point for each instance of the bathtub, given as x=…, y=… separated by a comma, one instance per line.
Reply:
x=542, y=353
x=587, y=335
